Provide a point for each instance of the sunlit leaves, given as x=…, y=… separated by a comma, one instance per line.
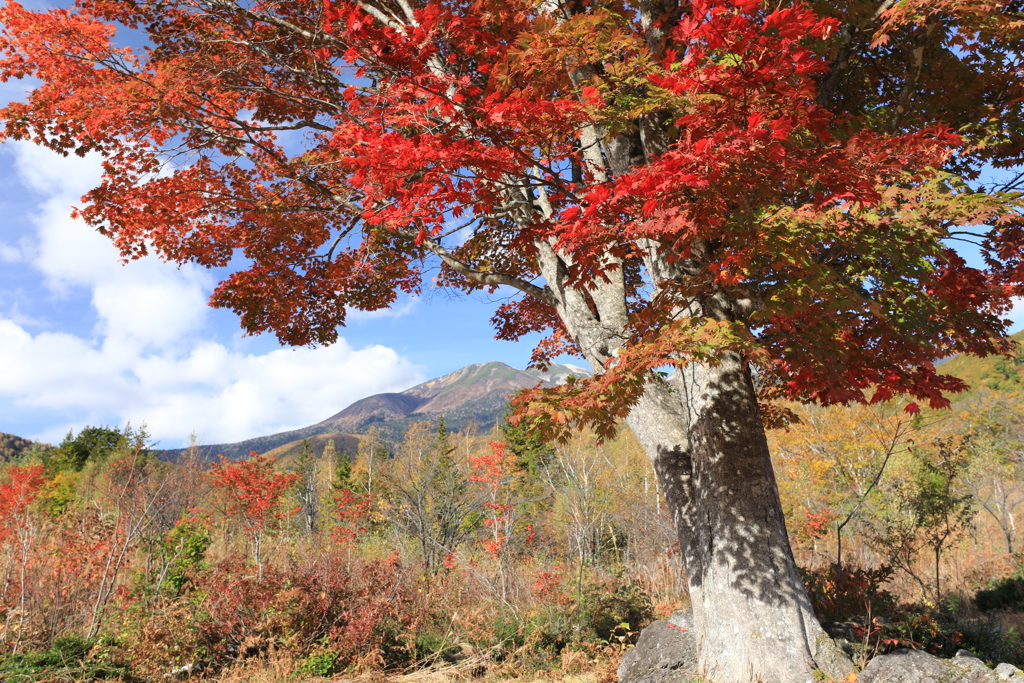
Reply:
x=326, y=151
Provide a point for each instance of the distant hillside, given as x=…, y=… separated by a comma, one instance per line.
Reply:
x=995, y=372
x=288, y=453
x=474, y=394
x=13, y=447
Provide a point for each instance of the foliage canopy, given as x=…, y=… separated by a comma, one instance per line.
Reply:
x=814, y=163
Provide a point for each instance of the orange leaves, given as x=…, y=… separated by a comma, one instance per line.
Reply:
x=494, y=472
x=352, y=513
x=816, y=523
x=329, y=150
x=252, y=490
x=24, y=485
x=489, y=468
x=592, y=96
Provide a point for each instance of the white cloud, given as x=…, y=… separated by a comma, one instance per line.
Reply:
x=10, y=253
x=221, y=395
x=145, y=303
x=152, y=357
x=15, y=314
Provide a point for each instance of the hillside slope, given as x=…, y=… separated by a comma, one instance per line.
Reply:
x=993, y=373
x=13, y=447
x=287, y=454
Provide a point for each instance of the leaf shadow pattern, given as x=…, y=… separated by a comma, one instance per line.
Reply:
x=722, y=493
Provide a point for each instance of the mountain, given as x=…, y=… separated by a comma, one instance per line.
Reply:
x=474, y=394
x=288, y=453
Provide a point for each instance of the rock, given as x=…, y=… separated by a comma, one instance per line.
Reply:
x=845, y=637
x=1008, y=672
x=839, y=630
x=681, y=619
x=915, y=666
x=185, y=671
x=665, y=653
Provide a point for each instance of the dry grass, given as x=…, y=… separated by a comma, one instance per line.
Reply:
x=575, y=667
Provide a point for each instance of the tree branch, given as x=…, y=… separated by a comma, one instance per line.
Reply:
x=913, y=72
x=480, y=276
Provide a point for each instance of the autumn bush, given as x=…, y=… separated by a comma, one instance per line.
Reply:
x=882, y=623
x=861, y=592
x=308, y=606
x=1006, y=593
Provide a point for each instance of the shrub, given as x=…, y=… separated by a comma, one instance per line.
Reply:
x=1007, y=593
x=68, y=658
x=861, y=592
x=613, y=602
x=594, y=618
x=320, y=663
x=307, y=609
x=990, y=641
x=434, y=643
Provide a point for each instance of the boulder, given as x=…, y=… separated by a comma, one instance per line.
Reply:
x=665, y=653
x=1008, y=672
x=915, y=666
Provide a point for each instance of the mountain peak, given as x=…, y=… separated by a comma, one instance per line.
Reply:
x=475, y=394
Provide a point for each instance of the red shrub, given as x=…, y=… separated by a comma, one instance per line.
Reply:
x=355, y=611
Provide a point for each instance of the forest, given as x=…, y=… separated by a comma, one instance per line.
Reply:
x=489, y=551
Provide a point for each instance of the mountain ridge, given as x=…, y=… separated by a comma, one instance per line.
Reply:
x=994, y=373
x=477, y=393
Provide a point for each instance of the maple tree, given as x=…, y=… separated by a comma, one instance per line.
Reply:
x=253, y=494
x=495, y=472
x=16, y=495
x=713, y=188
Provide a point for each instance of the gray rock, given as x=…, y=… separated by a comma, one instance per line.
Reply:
x=665, y=653
x=1008, y=672
x=185, y=671
x=681, y=619
x=839, y=630
x=844, y=636
x=914, y=666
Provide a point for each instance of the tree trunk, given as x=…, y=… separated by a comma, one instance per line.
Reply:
x=705, y=437
x=751, y=612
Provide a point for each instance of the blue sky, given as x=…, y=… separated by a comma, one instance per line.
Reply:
x=85, y=340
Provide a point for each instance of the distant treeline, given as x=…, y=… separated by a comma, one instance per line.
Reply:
x=12, y=447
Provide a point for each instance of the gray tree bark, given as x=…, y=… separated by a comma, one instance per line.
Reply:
x=751, y=612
